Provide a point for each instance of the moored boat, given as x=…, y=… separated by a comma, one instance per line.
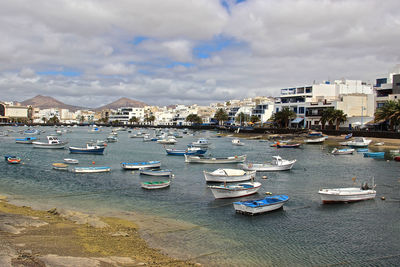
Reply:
x=350, y=194
x=91, y=169
x=344, y=151
x=315, y=140
x=287, y=145
x=188, y=151
x=111, y=139
x=277, y=164
x=235, y=190
x=89, y=149
x=170, y=140
x=237, y=142
x=26, y=140
x=201, y=142
x=155, y=184
x=52, y=142
x=31, y=132
x=71, y=161
x=60, y=166
x=374, y=154
x=140, y=165
x=198, y=159
x=361, y=150
x=258, y=206
x=229, y=175
x=12, y=159
x=359, y=142
x=155, y=172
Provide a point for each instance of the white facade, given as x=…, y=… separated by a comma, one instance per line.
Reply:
x=124, y=114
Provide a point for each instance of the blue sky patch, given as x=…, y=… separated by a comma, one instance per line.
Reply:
x=175, y=64
x=205, y=49
x=138, y=39
x=67, y=73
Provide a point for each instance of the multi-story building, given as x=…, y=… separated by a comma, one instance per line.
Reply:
x=264, y=110
x=308, y=102
x=388, y=88
x=124, y=114
x=12, y=112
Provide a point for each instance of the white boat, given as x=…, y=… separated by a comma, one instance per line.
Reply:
x=229, y=175
x=379, y=144
x=52, y=142
x=140, y=165
x=235, y=190
x=91, y=169
x=315, y=140
x=156, y=184
x=359, y=142
x=170, y=140
x=71, y=161
x=201, y=143
x=344, y=151
x=198, y=159
x=155, y=172
x=349, y=194
x=258, y=206
x=237, y=142
x=111, y=139
x=60, y=166
x=277, y=164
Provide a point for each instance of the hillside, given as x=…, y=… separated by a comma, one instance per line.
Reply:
x=44, y=102
x=123, y=102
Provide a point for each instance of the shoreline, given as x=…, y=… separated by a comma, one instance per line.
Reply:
x=52, y=237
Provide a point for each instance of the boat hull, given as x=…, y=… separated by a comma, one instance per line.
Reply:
x=140, y=165
x=210, y=177
x=260, y=206
x=76, y=150
x=197, y=159
x=345, y=195
x=49, y=146
x=155, y=185
x=260, y=167
x=233, y=192
x=156, y=172
x=91, y=169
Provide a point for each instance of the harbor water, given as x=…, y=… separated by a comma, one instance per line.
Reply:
x=186, y=221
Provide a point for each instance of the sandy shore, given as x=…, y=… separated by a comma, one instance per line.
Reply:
x=68, y=238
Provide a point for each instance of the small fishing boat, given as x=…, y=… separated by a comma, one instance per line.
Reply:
x=379, y=144
x=359, y=142
x=140, y=165
x=95, y=130
x=237, y=142
x=170, y=140
x=315, y=140
x=71, y=161
x=188, y=151
x=89, y=149
x=31, y=132
x=201, y=143
x=156, y=184
x=314, y=133
x=12, y=159
x=229, y=175
x=60, y=166
x=234, y=190
x=26, y=140
x=279, y=145
x=111, y=139
x=361, y=150
x=153, y=172
x=374, y=155
x=52, y=142
x=344, y=151
x=350, y=194
x=258, y=206
x=277, y=164
x=198, y=159
x=348, y=136
x=91, y=169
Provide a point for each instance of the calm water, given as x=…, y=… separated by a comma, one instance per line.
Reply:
x=303, y=233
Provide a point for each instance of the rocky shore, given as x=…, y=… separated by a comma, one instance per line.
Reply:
x=68, y=238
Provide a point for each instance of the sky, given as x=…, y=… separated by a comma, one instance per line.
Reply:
x=92, y=52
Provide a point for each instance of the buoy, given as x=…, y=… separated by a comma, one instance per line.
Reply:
x=264, y=177
x=268, y=193
x=93, y=162
x=383, y=198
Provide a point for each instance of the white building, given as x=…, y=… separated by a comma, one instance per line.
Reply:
x=124, y=114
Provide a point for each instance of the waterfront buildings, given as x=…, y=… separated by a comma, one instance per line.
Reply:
x=388, y=88
x=13, y=112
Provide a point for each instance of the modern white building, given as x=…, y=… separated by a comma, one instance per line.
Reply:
x=388, y=88
x=124, y=114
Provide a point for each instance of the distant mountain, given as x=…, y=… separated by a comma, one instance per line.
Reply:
x=44, y=102
x=123, y=102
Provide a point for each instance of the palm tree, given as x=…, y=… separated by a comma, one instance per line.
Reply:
x=390, y=111
x=327, y=116
x=254, y=118
x=284, y=116
x=133, y=120
x=340, y=117
x=242, y=118
x=221, y=116
x=194, y=118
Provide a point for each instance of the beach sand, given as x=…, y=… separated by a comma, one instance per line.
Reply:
x=67, y=238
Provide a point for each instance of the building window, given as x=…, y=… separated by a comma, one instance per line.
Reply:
x=301, y=110
x=277, y=109
x=295, y=109
x=316, y=122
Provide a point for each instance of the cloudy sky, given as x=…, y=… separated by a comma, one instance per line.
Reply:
x=92, y=52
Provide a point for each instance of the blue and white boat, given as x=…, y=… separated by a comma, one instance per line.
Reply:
x=31, y=132
x=95, y=130
x=343, y=151
x=89, y=149
x=91, y=169
x=260, y=205
x=26, y=140
x=153, y=172
x=189, y=151
x=201, y=143
x=140, y=165
x=374, y=155
x=362, y=150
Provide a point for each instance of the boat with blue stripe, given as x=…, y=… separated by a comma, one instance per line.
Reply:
x=26, y=140
x=91, y=169
x=140, y=165
x=89, y=149
x=258, y=206
x=155, y=172
x=374, y=155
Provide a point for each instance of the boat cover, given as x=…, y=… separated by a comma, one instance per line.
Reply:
x=229, y=172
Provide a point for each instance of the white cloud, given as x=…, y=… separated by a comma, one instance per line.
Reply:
x=117, y=69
